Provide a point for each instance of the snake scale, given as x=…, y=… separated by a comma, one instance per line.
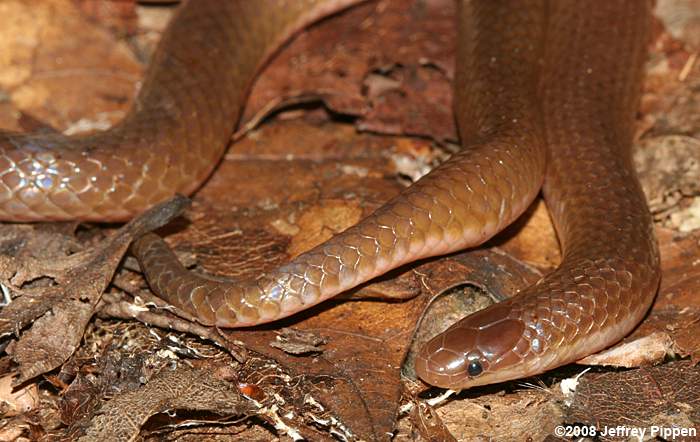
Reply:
x=545, y=93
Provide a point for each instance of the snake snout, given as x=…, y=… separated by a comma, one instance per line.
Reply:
x=439, y=364
x=476, y=350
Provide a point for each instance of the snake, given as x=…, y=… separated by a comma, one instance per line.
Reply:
x=545, y=94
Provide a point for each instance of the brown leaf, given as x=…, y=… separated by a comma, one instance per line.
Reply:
x=17, y=401
x=67, y=307
x=527, y=414
x=665, y=396
x=171, y=391
x=335, y=62
x=128, y=356
x=65, y=71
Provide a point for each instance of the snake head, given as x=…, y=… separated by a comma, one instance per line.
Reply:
x=478, y=350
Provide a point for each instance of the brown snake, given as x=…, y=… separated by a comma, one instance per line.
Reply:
x=545, y=92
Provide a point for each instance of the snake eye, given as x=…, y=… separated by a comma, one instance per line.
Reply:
x=474, y=368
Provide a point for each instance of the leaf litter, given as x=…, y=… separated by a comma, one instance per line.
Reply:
x=94, y=354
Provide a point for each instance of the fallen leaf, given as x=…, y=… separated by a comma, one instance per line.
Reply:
x=170, y=392
x=60, y=313
x=666, y=397
x=297, y=176
x=15, y=401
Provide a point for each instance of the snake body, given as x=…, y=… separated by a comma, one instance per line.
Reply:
x=545, y=92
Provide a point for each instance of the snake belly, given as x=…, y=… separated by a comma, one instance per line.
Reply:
x=545, y=92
